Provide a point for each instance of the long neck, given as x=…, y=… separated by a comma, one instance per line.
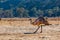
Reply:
x=31, y=21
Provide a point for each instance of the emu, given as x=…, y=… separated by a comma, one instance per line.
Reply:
x=39, y=22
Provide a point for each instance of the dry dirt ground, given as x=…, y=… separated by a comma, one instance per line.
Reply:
x=51, y=32
x=14, y=30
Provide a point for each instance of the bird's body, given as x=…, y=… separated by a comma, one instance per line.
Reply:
x=39, y=21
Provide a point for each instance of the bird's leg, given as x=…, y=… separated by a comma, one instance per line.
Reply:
x=41, y=29
x=37, y=29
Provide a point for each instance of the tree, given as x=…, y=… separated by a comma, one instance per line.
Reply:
x=56, y=10
x=50, y=12
x=8, y=13
x=40, y=13
x=22, y=12
x=1, y=12
x=37, y=12
x=34, y=11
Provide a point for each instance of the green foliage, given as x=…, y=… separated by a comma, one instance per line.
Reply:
x=23, y=13
x=6, y=13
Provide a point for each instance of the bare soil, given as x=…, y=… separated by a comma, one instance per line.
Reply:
x=14, y=30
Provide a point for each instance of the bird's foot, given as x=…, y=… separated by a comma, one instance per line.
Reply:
x=41, y=32
x=34, y=32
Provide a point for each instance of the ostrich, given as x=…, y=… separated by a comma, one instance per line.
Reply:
x=39, y=22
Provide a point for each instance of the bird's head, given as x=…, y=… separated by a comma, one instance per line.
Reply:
x=30, y=19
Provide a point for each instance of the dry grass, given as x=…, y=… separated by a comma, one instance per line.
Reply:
x=13, y=29
x=24, y=21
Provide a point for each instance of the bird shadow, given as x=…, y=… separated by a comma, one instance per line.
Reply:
x=29, y=33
